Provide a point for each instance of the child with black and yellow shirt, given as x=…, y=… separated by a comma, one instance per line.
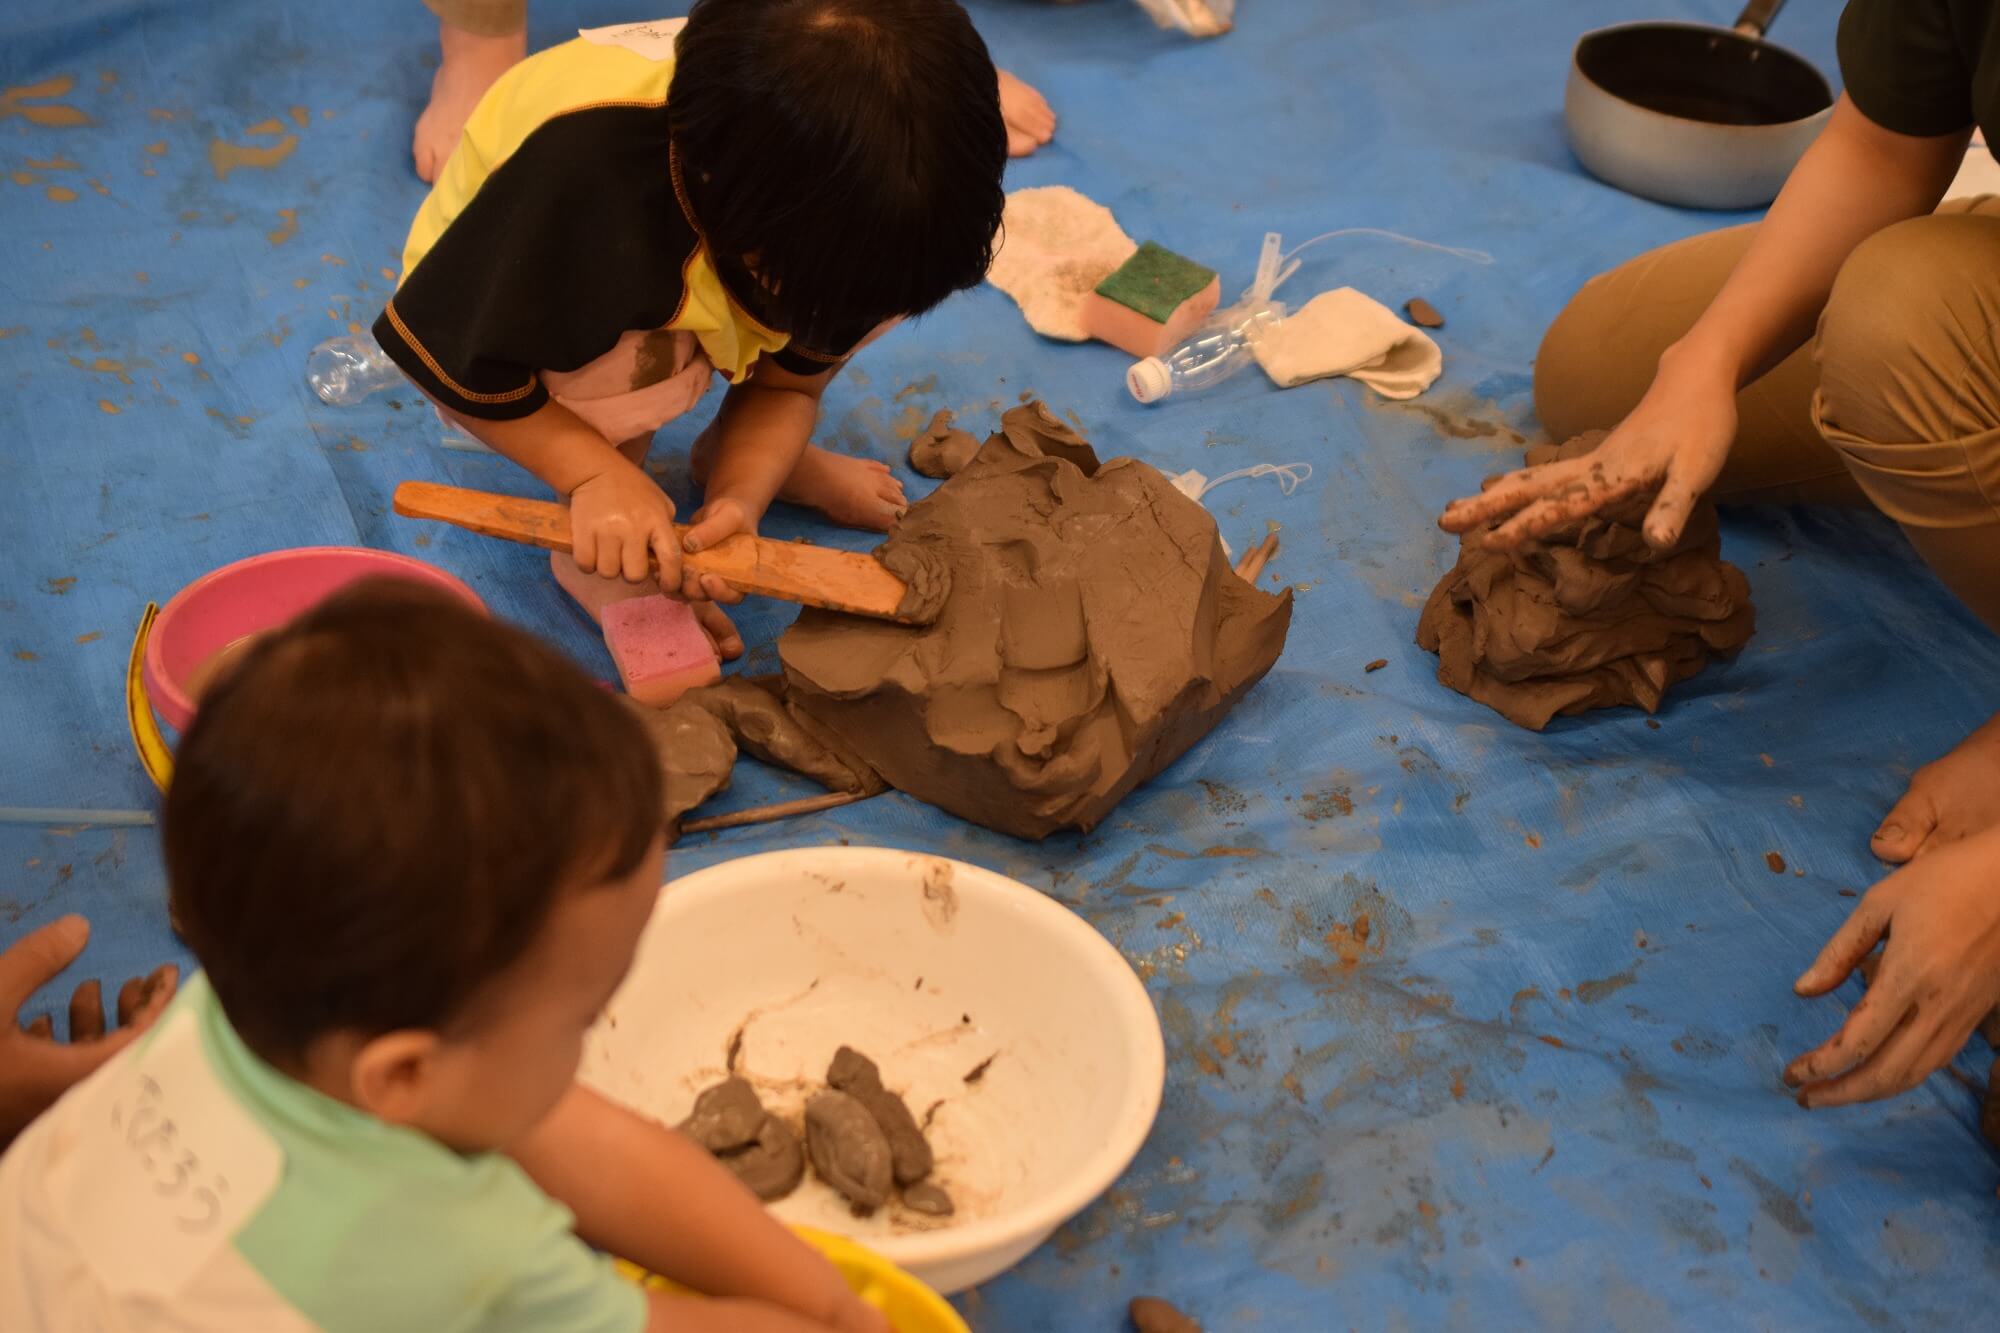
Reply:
x=756, y=191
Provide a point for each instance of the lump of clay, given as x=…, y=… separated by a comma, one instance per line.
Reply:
x=730, y=1121
x=926, y=1198
x=848, y=1150
x=725, y=1117
x=697, y=738
x=1089, y=631
x=696, y=753
x=771, y=1165
x=754, y=712
x=942, y=450
x=1588, y=617
x=1150, y=1314
x=910, y=1153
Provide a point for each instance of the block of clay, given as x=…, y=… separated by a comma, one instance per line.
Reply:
x=1152, y=302
x=1089, y=630
x=1590, y=616
x=661, y=650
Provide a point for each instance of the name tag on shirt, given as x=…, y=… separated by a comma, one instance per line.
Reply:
x=165, y=1167
x=653, y=39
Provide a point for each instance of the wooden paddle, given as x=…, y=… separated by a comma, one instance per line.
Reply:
x=789, y=571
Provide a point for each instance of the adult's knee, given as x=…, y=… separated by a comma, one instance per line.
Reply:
x=1600, y=355
x=1906, y=345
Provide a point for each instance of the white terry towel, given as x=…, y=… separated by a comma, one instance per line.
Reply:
x=1344, y=332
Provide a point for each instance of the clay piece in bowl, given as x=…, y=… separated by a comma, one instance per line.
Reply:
x=1589, y=616
x=856, y=1075
x=760, y=1149
x=1086, y=630
x=848, y=1150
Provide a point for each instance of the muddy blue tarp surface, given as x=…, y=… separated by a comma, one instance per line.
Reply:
x=1544, y=1092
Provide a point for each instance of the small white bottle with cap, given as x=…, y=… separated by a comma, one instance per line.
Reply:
x=1216, y=351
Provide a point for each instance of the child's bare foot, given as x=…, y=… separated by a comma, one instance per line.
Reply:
x=593, y=594
x=469, y=66
x=1949, y=799
x=721, y=632
x=1030, y=120
x=853, y=492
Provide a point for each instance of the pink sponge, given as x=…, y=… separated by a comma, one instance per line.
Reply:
x=660, y=648
x=1151, y=302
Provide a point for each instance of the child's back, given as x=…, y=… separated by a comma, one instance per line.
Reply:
x=413, y=850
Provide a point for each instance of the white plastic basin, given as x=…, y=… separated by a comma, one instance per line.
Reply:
x=930, y=966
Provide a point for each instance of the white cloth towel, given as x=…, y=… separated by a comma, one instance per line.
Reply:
x=1345, y=332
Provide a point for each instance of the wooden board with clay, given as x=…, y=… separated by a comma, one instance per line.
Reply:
x=789, y=571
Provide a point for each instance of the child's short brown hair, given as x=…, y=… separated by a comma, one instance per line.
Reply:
x=373, y=813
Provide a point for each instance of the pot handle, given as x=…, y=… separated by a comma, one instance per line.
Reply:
x=1757, y=17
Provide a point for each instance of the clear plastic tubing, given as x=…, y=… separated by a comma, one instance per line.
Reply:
x=1218, y=350
x=345, y=370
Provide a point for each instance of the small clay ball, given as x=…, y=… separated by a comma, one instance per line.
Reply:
x=1422, y=313
x=726, y=1116
x=848, y=1150
x=772, y=1165
x=927, y=1199
x=1150, y=1314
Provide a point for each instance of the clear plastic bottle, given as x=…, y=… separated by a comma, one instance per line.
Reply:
x=345, y=370
x=1218, y=350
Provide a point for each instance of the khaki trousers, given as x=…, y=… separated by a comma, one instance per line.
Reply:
x=1895, y=403
x=482, y=18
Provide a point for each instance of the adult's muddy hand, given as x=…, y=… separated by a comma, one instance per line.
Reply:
x=1674, y=442
x=34, y=1069
x=1939, y=975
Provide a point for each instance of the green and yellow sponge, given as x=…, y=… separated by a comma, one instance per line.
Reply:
x=1151, y=302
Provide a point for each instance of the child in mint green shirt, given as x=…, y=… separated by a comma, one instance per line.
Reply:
x=413, y=850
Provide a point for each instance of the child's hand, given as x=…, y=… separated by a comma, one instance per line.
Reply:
x=620, y=522
x=720, y=518
x=858, y=1316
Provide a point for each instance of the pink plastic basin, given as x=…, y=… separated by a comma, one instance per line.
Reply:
x=260, y=593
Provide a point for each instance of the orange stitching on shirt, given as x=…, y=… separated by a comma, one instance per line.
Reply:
x=799, y=349
x=403, y=332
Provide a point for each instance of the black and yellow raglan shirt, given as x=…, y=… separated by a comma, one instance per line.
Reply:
x=559, y=224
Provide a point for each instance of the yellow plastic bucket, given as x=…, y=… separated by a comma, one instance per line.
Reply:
x=910, y=1306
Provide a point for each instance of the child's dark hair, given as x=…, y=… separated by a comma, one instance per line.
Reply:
x=849, y=150
x=375, y=810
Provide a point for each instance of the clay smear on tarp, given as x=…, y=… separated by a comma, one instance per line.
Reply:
x=698, y=736
x=1088, y=629
x=1588, y=617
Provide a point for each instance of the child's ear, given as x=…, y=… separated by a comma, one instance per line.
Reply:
x=395, y=1075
